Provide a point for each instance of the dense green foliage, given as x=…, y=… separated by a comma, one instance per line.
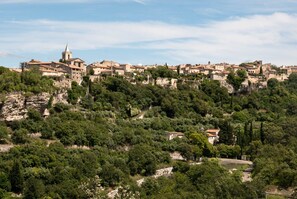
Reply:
x=27, y=81
x=236, y=79
x=162, y=71
x=119, y=146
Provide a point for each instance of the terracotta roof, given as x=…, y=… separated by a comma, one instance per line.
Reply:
x=38, y=63
x=99, y=66
x=109, y=62
x=212, y=130
x=34, y=61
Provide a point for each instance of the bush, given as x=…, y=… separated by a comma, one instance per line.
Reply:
x=20, y=136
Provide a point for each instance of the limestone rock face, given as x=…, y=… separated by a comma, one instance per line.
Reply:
x=13, y=108
x=38, y=102
x=15, y=105
x=60, y=97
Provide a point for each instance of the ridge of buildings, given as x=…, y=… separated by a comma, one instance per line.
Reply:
x=76, y=68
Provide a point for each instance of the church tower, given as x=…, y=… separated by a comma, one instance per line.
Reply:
x=67, y=54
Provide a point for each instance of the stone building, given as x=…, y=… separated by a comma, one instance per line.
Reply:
x=74, y=68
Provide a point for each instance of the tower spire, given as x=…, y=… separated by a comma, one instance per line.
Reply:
x=67, y=54
x=67, y=49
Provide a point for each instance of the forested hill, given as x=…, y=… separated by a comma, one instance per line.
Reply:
x=96, y=142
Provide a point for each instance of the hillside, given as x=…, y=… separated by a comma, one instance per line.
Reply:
x=89, y=140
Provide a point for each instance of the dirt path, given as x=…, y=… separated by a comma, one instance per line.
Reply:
x=226, y=161
x=141, y=114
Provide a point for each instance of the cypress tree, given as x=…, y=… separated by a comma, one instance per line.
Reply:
x=262, y=136
x=245, y=134
x=17, y=177
x=251, y=131
x=226, y=133
x=240, y=140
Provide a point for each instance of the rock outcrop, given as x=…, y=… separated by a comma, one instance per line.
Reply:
x=38, y=102
x=60, y=97
x=15, y=106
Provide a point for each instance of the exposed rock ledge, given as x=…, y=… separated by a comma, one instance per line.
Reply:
x=15, y=105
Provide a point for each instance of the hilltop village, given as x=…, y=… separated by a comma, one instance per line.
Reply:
x=108, y=130
x=69, y=69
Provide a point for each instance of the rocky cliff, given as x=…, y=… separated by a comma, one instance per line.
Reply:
x=14, y=106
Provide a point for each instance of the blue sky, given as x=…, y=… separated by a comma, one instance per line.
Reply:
x=149, y=31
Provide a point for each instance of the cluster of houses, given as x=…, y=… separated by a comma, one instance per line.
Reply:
x=76, y=68
x=111, y=68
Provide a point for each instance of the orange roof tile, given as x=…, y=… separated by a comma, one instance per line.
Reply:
x=212, y=130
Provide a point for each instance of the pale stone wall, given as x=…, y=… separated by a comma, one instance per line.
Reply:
x=15, y=105
x=166, y=82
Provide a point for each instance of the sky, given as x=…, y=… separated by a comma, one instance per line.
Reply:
x=149, y=31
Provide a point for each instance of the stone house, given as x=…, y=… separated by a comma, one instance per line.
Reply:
x=127, y=68
x=212, y=135
x=172, y=135
x=236, y=68
x=109, y=68
x=98, y=68
x=184, y=68
x=138, y=69
x=219, y=67
x=73, y=67
x=118, y=70
x=196, y=69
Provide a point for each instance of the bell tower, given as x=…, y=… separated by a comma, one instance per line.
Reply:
x=67, y=54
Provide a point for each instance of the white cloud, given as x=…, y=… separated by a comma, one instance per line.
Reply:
x=272, y=38
x=4, y=54
x=239, y=7
x=140, y=1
